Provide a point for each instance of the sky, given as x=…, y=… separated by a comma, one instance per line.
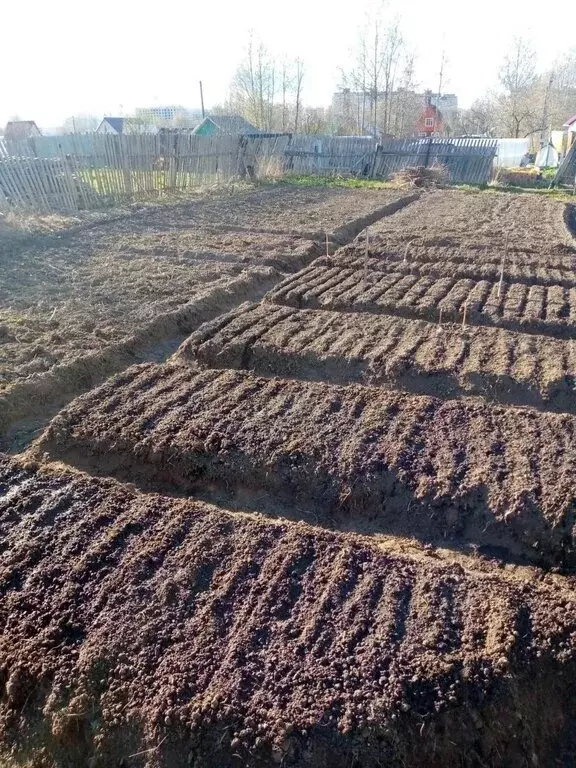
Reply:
x=67, y=57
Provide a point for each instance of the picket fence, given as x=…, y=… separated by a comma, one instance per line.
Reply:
x=71, y=173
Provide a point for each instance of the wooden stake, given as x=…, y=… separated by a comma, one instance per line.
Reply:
x=406, y=251
x=440, y=318
x=465, y=313
x=327, y=250
x=502, y=269
x=501, y=277
x=366, y=255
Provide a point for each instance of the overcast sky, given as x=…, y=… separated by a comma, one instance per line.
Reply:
x=66, y=57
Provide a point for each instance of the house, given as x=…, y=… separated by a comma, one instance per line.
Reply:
x=21, y=129
x=431, y=121
x=229, y=125
x=114, y=125
x=117, y=126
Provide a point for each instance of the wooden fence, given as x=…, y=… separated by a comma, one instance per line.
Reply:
x=330, y=154
x=70, y=173
x=468, y=161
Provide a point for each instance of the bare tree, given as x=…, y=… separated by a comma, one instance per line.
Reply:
x=298, y=80
x=518, y=77
x=286, y=86
x=378, y=56
x=314, y=120
x=253, y=86
x=407, y=104
x=80, y=124
x=391, y=53
x=480, y=119
x=562, y=89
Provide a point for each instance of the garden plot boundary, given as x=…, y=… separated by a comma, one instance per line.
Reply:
x=84, y=172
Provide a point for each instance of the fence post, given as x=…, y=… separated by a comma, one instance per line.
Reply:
x=374, y=159
x=288, y=158
x=428, y=148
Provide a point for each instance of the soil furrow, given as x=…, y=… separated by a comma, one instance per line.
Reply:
x=184, y=624
x=500, y=365
x=350, y=452
x=428, y=299
x=447, y=265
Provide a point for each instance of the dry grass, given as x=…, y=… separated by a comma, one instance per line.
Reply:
x=419, y=176
x=518, y=177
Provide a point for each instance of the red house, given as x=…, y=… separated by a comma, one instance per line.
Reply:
x=430, y=122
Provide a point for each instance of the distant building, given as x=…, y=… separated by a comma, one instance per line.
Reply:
x=353, y=110
x=229, y=125
x=21, y=129
x=117, y=126
x=568, y=135
x=161, y=114
x=431, y=121
x=447, y=103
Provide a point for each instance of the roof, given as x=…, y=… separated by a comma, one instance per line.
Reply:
x=117, y=123
x=569, y=122
x=230, y=124
x=21, y=129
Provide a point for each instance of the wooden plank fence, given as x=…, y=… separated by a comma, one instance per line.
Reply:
x=468, y=161
x=71, y=173
x=330, y=154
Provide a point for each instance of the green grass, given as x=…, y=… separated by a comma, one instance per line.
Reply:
x=564, y=195
x=112, y=182
x=349, y=182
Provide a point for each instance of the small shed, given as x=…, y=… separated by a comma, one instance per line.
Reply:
x=226, y=125
x=21, y=129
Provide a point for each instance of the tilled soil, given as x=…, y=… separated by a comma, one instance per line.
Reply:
x=452, y=217
x=203, y=245
x=93, y=306
x=43, y=393
x=460, y=470
x=71, y=304
x=509, y=268
x=436, y=251
x=163, y=632
x=425, y=358
x=309, y=212
x=542, y=309
x=159, y=631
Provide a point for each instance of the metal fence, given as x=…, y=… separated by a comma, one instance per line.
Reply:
x=70, y=173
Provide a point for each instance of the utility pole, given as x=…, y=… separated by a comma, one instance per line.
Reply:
x=440, y=79
x=545, y=133
x=202, y=100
